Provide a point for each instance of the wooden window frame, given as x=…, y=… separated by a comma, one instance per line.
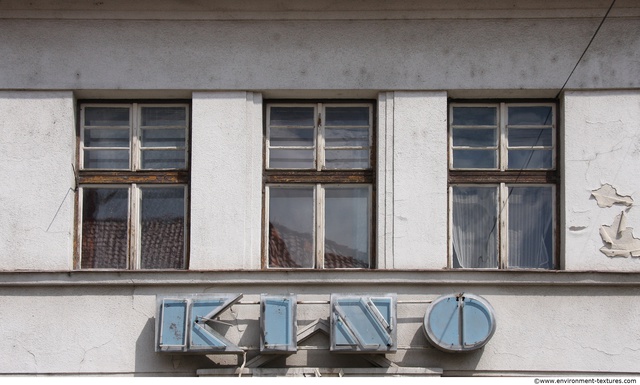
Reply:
x=135, y=178
x=502, y=178
x=318, y=177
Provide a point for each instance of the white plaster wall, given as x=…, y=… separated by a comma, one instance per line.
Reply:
x=37, y=156
x=226, y=181
x=111, y=330
x=419, y=178
x=601, y=139
x=411, y=54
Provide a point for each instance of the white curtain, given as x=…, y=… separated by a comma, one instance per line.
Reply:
x=530, y=227
x=475, y=227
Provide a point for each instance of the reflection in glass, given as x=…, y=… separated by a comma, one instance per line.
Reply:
x=530, y=159
x=162, y=215
x=475, y=116
x=475, y=227
x=106, y=116
x=474, y=137
x=530, y=137
x=292, y=116
x=291, y=136
x=534, y=115
x=474, y=158
x=299, y=158
x=98, y=137
x=163, y=159
x=343, y=159
x=105, y=214
x=347, y=116
x=346, y=227
x=106, y=159
x=163, y=137
x=530, y=227
x=291, y=227
x=341, y=137
x=164, y=116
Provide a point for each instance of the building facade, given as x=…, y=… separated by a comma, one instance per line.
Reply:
x=159, y=150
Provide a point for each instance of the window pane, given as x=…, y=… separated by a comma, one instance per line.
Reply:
x=474, y=159
x=164, y=116
x=530, y=159
x=474, y=137
x=106, y=116
x=475, y=116
x=104, y=228
x=291, y=158
x=106, y=159
x=530, y=227
x=475, y=227
x=347, y=227
x=291, y=227
x=163, y=138
x=344, y=159
x=159, y=159
x=537, y=115
x=291, y=137
x=336, y=137
x=292, y=116
x=347, y=116
x=530, y=137
x=162, y=215
x=97, y=137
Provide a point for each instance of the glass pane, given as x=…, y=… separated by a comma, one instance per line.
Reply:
x=335, y=137
x=474, y=159
x=530, y=137
x=163, y=138
x=537, y=115
x=105, y=213
x=291, y=158
x=531, y=227
x=474, y=137
x=347, y=227
x=343, y=159
x=291, y=137
x=107, y=159
x=164, y=116
x=529, y=159
x=162, y=215
x=106, y=116
x=292, y=116
x=475, y=227
x=347, y=116
x=475, y=116
x=97, y=137
x=291, y=227
x=158, y=159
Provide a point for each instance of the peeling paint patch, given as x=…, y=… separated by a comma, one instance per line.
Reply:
x=618, y=239
x=607, y=196
x=577, y=228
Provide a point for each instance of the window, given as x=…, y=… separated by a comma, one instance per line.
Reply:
x=133, y=186
x=502, y=185
x=318, y=185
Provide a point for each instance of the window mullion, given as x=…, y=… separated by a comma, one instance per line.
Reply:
x=135, y=137
x=134, y=227
x=503, y=236
x=502, y=127
x=320, y=144
x=319, y=220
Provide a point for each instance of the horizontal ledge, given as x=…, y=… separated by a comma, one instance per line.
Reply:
x=115, y=177
x=384, y=279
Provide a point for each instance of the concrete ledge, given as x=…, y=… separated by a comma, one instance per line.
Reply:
x=321, y=372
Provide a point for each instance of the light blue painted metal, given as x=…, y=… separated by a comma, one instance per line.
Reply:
x=459, y=322
x=278, y=324
x=173, y=320
x=363, y=323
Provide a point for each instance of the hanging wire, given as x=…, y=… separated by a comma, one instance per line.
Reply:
x=495, y=223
